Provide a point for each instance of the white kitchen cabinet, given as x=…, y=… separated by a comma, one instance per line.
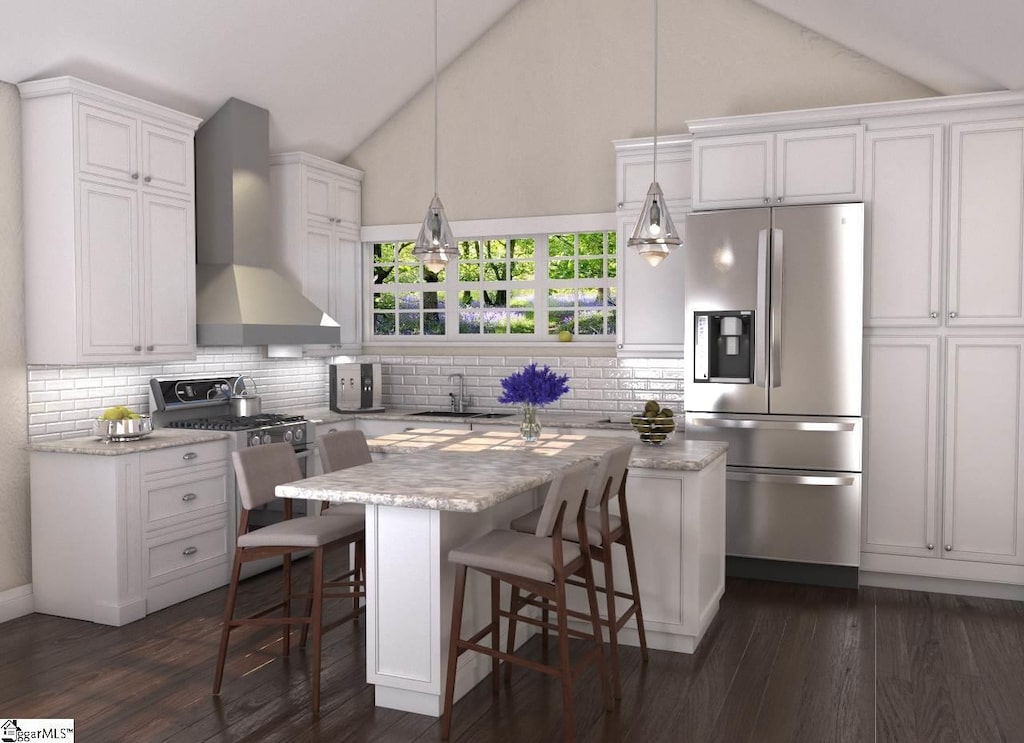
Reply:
x=649, y=320
x=903, y=231
x=983, y=513
x=314, y=467
x=316, y=206
x=109, y=226
x=971, y=509
x=986, y=223
x=806, y=166
x=634, y=169
x=117, y=537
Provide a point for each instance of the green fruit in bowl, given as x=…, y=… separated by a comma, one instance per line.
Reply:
x=637, y=420
x=666, y=413
x=651, y=406
x=119, y=413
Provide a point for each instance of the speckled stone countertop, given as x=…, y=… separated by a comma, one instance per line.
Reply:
x=461, y=471
x=161, y=438
x=551, y=419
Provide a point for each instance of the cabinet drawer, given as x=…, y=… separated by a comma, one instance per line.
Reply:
x=189, y=552
x=179, y=457
x=192, y=497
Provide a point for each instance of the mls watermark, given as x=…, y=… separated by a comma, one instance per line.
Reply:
x=33, y=729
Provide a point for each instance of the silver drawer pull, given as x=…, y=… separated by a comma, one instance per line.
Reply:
x=189, y=497
x=777, y=425
x=771, y=479
x=189, y=455
x=189, y=551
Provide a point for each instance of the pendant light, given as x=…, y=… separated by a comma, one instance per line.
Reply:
x=655, y=234
x=435, y=243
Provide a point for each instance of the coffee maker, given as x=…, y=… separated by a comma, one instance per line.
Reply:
x=355, y=387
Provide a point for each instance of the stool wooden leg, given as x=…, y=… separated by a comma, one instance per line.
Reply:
x=229, y=613
x=510, y=641
x=634, y=586
x=613, y=631
x=495, y=634
x=316, y=621
x=286, y=631
x=595, y=622
x=563, y=649
x=453, y=650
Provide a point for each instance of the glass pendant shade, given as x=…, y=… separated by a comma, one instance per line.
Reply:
x=435, y=243
x=655, y=233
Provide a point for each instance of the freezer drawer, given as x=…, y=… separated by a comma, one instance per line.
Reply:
x=801, y=516
x=795, y=442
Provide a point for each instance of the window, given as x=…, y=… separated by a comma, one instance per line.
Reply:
x=516, y=288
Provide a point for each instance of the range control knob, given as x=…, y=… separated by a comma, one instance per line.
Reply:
x=288, y=435
x=266, y=437
x=300, y=434
x=254, y=439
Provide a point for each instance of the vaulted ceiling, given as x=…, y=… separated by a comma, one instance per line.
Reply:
x=332, y=71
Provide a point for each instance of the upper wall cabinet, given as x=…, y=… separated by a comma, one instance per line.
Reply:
x=109, y=226
x=986, y=223
x=634, y=169
x=316, y=206
x=806, y=166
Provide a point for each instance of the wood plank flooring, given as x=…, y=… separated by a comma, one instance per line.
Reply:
x=781, y=663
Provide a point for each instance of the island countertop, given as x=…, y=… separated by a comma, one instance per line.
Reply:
x=449, y=470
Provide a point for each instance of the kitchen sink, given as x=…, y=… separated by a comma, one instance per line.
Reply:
x=450, y=414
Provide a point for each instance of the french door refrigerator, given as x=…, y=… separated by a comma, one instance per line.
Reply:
x=774, y=316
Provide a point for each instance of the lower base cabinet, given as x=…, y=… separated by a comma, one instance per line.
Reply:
x=117, y=537
x=944, y=420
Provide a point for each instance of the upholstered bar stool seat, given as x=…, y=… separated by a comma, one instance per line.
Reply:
x=308, y=531
x=517, y=554
x=604, y=529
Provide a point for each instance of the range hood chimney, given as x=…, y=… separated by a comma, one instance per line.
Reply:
x=241, y=300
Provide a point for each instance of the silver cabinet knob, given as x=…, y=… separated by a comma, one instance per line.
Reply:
x=148, y=179
x=149, y=348
x=188, y=497
x=189, y=455
x=138, y=348
x=619, y=346
x=934, y=314
x=189, y=551
x=778, y=200
x=952, y=316
x=135, y=176
x=766, y=200
x=621, y=204
x=949, y=548
x=930, y=546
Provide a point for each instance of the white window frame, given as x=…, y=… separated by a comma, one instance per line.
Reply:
x=526, y=227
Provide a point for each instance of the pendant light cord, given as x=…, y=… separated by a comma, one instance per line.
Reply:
x=435, y=98
x=655, y=90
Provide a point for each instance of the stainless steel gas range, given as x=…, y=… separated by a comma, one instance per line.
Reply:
x=203, y=403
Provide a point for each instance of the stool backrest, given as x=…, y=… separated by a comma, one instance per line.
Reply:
x=343, y=449
x=613, y=464
x=260, y=469
x=569, y=487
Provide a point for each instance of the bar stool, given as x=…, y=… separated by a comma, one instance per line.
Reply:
x=259, y=470
x=538, y=563
x=340, y=450
x=604, y=529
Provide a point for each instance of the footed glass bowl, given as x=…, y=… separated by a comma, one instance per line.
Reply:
x=127, y=429
x=654, y=431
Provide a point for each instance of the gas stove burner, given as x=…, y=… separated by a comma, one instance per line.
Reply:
x=238, y=422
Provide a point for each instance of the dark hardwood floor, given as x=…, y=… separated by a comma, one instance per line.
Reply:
x=780, y=663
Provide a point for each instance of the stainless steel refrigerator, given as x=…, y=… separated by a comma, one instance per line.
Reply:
x=774, y=315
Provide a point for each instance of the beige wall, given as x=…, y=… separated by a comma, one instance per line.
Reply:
x=14, y=542
x=527, y=115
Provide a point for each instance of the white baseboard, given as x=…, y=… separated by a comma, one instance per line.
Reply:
x=932, y=584
x=15, y=602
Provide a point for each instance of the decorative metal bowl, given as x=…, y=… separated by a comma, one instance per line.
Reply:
x=126, y=429
x=653, y=431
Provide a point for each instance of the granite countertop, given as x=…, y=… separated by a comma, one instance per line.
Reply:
x=551, y=419
x=467, y=472
x=161, y=438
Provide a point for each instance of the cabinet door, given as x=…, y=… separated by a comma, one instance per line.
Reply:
x=986, y=223
x=903, y=230
x=347, y=210
x=167, y=159
x=901, y=422
x=108, y=309
x=317, y=268
x=634, y=173
x=348, y=289
x=107, y=143
x=651, y=303
x=319, y=199
x=983, y=517
x=733, y=171
x=168, y=258
x=817, y=166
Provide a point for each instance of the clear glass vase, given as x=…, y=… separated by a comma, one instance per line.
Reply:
x=529, y=428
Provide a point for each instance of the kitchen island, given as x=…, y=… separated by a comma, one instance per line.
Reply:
x=432, y=489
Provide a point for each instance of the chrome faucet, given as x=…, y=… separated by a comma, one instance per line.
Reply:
x=461, y=402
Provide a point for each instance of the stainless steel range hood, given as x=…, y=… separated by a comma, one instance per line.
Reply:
x=241, y=299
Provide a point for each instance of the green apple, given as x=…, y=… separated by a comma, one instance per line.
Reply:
x=565, y=336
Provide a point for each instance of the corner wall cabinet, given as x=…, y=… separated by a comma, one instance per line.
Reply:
x=807, y=166
x=649, y=320
x=117, y=537
x=316, y=207
x=109, y=226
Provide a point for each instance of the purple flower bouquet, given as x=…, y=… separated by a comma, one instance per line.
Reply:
x=532, y=388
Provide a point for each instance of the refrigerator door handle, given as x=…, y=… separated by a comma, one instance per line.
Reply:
x=774, y=425
x=761, y=331
x=775, y=360
x=816, y=480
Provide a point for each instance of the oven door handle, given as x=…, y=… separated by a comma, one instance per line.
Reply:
x=304, y=453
